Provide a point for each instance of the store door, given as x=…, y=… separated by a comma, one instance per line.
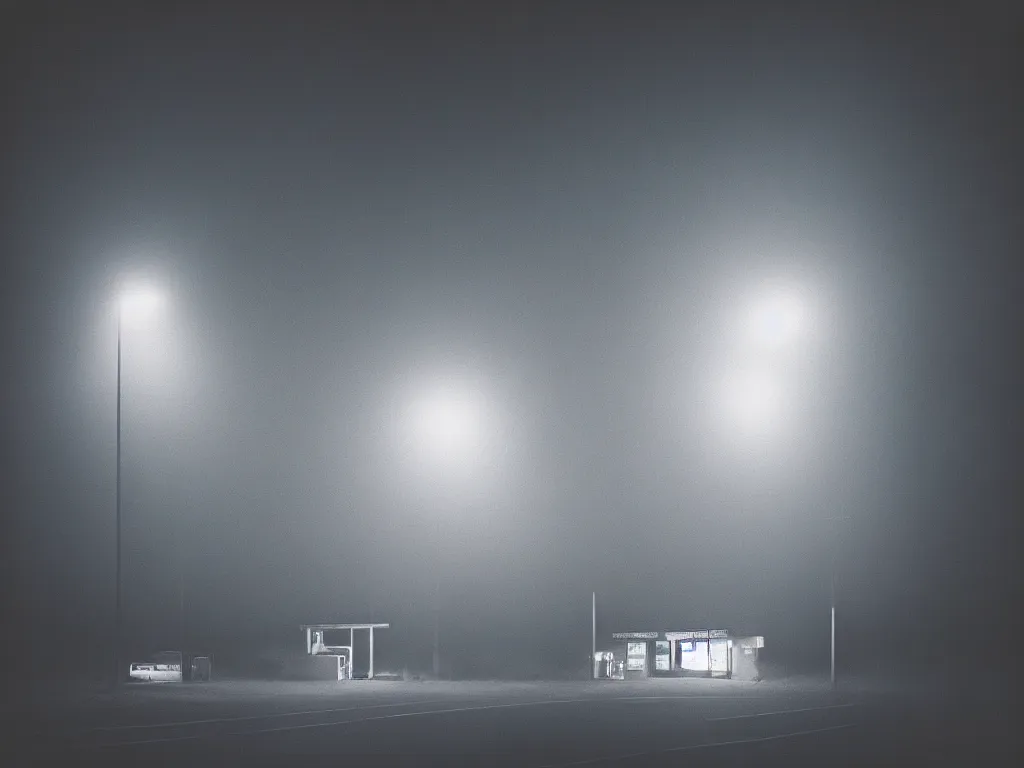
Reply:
x=719, y=657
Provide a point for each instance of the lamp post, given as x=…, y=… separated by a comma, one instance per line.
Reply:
x=835, y=521
x=448, y=425
x=773, y=326
x=436, y=658
x=135, y=303
x=117, y=515
x=832, y=641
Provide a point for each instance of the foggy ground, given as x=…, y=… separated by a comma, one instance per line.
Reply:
x=529, y=724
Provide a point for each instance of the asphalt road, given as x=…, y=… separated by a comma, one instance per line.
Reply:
x=655, y=722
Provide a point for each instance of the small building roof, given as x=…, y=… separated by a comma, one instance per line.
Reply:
x=344, y=626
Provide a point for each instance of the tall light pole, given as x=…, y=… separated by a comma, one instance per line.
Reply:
x=448, y=424
x=134, y=303
x=436, y=658
x=117, y=589
x=835, y=521
x=832, y=643
x=773, y=324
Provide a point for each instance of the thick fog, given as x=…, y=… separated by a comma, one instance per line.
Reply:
x=564, y=214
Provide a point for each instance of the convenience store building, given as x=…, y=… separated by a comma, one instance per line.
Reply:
x=687, y=653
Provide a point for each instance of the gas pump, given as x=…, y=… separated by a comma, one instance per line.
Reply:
x=345, y=665
x=605, y=665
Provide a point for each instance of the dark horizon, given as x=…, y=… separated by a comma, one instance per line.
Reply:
x=569, y=205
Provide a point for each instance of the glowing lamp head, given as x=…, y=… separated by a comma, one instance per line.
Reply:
x=448, y=424
x=139, y=303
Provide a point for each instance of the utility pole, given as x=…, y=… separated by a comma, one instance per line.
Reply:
x=117, y=519
x=833, y=638
x=835, y=521
x=593, y=633
x=181, y=606
x=437, y=605
x=137, y=301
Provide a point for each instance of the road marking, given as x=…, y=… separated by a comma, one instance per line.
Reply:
x=595, y=699
x=662, y=698
x=779, y=712
x=268, y=716
x=307, y=726
x=376, y=718
x=244, y=718
x=163, y=740
x=415, y=714
x=694, y=747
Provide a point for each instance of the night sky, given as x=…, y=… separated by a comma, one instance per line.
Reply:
x=569, y=205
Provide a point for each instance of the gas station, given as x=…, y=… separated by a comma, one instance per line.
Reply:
x=317, y=645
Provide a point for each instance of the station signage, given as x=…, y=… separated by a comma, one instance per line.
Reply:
x=698, y=634
x=694, y=634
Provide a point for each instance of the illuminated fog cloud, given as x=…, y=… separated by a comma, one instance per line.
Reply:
x=777, y=319
x=753, y=400
x=449, y=423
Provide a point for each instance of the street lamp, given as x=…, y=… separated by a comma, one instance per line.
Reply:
x=773, y=324
x=133, y=305
x=449, y=425
x=448, y=421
